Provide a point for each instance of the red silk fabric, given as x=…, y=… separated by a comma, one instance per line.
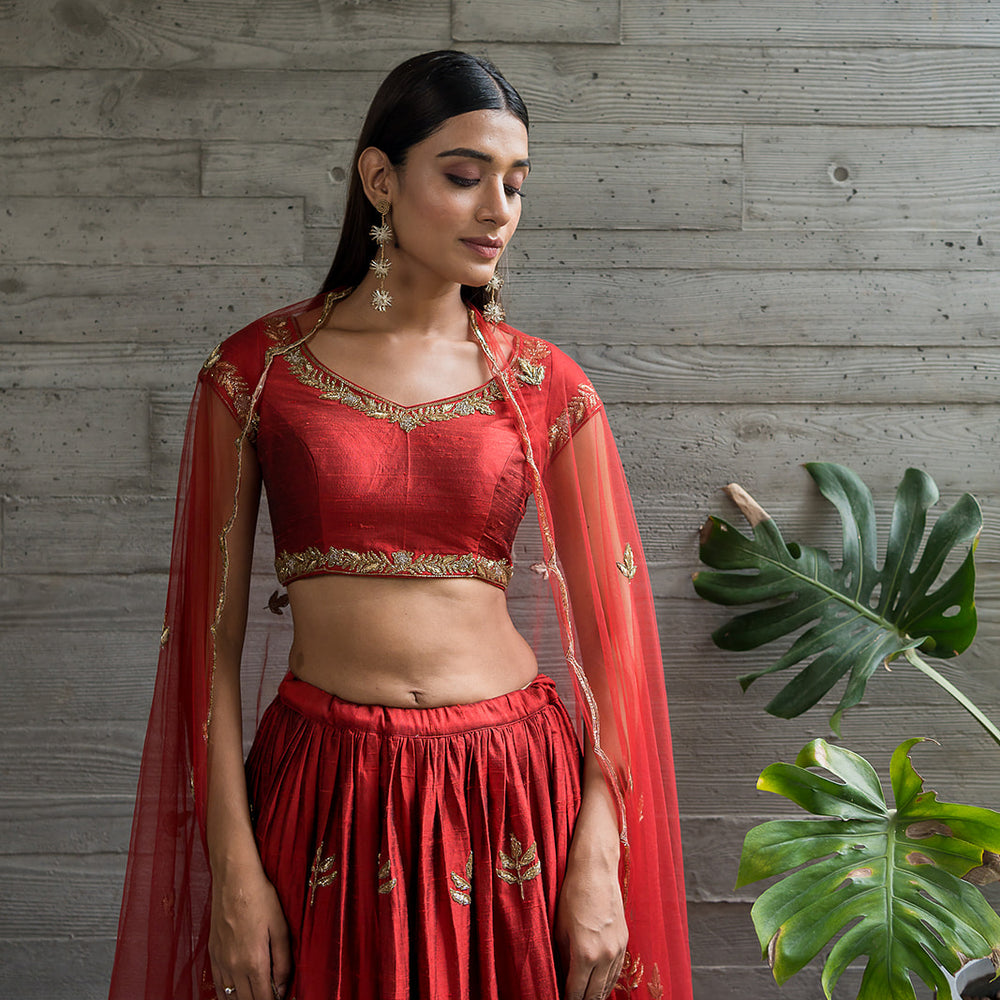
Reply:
x=586, y=551
x=417, y=852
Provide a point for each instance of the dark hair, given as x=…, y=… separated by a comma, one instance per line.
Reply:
x=413, y=102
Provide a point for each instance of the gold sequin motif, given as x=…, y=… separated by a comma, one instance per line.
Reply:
x=627, y=566
x=323, y=873
x=386, y=883
x=461, y=891
x=291, y=565
x=520, y=866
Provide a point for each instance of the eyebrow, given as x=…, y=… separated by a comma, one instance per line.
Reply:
x=477, y=154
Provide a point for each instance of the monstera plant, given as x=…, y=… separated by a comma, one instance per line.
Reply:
x=894, y=884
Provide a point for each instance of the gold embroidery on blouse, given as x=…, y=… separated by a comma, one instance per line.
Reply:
x=227, y=376
x=386, y=883
x=407, y=418
x=164, y=635
x=212, y=358
x=520, y=866
x=654, y=984
x=290, y=565
x=630, y=978
x=323, y=873
x=585, y=402
x=276, y=329
x=627, y=566
x=462, y=891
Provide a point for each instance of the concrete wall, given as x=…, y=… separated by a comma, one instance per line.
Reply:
x=768, y=230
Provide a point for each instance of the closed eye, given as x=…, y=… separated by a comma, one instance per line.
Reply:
x=466, y=182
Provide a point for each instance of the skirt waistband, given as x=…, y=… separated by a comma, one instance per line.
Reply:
x=320, y=706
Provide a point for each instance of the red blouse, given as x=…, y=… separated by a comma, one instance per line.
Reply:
x=358, y=484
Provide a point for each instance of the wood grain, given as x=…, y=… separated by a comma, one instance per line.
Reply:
x=151, y=230
x=66, y=442
x=857, y=23
x=555, y=21
x=281, y=34
x=156, y=305
x=73, y=167
x=871, y=178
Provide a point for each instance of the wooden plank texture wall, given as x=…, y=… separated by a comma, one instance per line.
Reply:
x=768, y=230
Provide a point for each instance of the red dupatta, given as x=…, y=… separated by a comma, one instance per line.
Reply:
x=593, y=560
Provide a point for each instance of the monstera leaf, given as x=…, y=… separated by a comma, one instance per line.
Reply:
x=888, y=881
x=852, y=617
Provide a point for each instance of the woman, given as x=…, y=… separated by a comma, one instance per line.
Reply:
x=415, y=819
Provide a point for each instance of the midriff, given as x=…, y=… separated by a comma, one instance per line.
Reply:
x=404, y=642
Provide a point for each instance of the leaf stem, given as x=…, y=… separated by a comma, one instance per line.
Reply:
x=963, y=700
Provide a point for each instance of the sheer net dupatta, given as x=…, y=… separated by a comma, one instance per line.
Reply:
x=597, y=571
x=163, y=928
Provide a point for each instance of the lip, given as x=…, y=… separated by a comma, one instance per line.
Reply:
x=485, y=246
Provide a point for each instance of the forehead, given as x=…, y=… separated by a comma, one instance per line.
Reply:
x=497, y=133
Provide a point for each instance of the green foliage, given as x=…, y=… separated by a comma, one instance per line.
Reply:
x=854, y=616
x=887, y=881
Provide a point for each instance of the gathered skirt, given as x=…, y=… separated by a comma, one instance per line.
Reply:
x=417, y=853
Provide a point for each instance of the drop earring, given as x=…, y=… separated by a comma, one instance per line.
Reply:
x=381, y=234
x=493, y=311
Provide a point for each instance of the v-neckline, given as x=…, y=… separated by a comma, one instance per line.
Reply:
x=385, y=400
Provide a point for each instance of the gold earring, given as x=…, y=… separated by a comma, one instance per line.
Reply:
x=381, y=234
x=493, y=311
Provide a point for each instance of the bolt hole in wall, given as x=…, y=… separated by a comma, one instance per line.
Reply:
x=840, y=174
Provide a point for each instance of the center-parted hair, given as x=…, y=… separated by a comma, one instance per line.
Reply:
x=412, y=103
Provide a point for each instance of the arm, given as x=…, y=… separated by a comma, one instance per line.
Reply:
x=590, y=921
x=248, y=939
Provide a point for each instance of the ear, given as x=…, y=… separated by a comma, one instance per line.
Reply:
x=378, y=175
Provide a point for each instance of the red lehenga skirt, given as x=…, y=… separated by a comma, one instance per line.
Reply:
x=417, y=853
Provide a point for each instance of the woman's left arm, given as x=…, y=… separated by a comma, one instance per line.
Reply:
x=590, y=920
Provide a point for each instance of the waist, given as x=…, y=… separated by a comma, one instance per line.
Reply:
x=406, y=642
x=440, y=720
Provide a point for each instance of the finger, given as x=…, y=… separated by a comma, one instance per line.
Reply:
x=577, y=980
x=220, y=982
x=281, y=961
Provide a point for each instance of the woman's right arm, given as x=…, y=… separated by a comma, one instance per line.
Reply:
x=248, y=940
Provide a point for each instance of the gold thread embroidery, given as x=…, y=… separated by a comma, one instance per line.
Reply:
x=386, y=883
x=322, y=874
x=655, y=985
x=532, y=353
x=165, y=635
x=211, y=360
x=227, y=376
x=291, y=565
x=520, y=866
x=462, y=891
x=276, y=329
x=627, y=566
x=331, y=387
x=630, y=978
x=581, y=406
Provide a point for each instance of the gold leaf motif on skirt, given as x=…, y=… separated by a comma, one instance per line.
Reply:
x=462, y=892
x=520, y=866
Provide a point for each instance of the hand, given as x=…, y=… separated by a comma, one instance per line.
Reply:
x=590, y=928
x=248, y=940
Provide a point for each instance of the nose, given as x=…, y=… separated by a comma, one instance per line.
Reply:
x=496, y=206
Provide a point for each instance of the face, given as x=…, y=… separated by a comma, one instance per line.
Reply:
x=456, y=200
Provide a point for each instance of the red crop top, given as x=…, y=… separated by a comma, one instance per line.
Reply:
x=358, y=484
